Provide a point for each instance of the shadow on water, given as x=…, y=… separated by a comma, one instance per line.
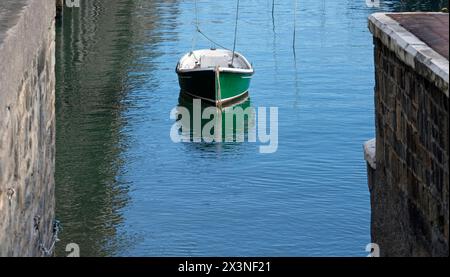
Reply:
x=415, y=5
x=89, y=143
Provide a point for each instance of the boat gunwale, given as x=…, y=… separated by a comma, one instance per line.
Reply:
x=250, y=70
x=221, y=69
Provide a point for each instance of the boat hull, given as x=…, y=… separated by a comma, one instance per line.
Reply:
x=215, y=87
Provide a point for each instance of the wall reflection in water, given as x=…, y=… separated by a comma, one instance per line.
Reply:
x=414, y=5
x=97, y=46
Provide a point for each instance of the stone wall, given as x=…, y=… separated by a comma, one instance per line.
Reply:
x=27, y=126
x=409, y=192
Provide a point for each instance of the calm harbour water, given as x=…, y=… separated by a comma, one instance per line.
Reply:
x=124, y=188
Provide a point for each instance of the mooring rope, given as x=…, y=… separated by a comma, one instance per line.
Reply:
x=273, y=16
x=295, y=25
x=235, y=31
x=196, y=14
x=212, y=41
x=194, y=39
x=197, y=29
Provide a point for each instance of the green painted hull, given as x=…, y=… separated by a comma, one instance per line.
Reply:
x=231, y=85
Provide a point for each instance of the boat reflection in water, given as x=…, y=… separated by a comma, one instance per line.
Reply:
x=200, y=121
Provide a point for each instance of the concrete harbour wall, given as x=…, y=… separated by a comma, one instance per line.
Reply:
x=408, y=167
x=27, y=127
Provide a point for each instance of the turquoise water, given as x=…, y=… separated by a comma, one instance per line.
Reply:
x=124, y=188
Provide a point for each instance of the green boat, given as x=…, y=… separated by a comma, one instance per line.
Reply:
x=219, y=76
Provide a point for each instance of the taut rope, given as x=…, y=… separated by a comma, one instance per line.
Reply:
x=235, y=31
x=197, y=29
x=295, y=25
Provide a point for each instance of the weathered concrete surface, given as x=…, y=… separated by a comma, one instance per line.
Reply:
x=429, y=28
x=409, y=190
x=27, y=126
x=410, y=49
